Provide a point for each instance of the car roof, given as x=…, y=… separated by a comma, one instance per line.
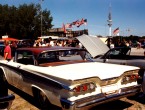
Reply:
x=38, y=50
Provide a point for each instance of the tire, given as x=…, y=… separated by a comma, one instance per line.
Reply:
x=42, y=100
x=3, y=86
x=3, y=91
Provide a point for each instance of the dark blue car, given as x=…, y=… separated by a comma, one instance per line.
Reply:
x=2, y=46
x=5, y=99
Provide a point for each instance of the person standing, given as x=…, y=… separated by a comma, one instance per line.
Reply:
x=108, y=40
x=13, y=47
x=7, y=51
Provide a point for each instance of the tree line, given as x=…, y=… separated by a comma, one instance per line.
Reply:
x=24, y=21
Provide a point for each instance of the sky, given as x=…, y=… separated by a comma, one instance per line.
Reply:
x=126, y=14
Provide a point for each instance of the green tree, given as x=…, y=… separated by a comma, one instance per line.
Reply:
x=24, y=21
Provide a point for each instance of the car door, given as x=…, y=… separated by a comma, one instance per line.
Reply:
x=21, y=60
x=13, y=73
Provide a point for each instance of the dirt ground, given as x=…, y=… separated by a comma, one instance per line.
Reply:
x=21, y=104
x=24, y=102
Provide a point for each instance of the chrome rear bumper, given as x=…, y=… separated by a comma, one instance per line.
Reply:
x=89, y=102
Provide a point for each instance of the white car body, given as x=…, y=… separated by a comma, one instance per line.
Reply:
x=73, y=86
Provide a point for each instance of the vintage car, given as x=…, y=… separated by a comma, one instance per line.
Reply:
x=5, y=98
x=118, y=55
x=122, y=56
x=68, y=78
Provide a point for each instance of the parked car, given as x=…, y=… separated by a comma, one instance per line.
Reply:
x=123, y=56
x=5, y=98
x=118, y=55
x=2, y=46
x=67, y=77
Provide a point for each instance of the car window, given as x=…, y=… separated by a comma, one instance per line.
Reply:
x=47, y=57
x=25, y=57
x=57, y=56
x=70, y=55
x=116, y=54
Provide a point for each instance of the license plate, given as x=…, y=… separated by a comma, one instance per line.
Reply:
x=109, y=89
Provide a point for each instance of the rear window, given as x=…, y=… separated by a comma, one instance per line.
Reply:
x=66, y=55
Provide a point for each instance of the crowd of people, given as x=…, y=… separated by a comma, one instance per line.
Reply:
x=60, y=42
x=10, y=47
x=111, y=43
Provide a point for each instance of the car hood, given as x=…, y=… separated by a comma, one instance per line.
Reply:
x=93, y=44
x=82, y=70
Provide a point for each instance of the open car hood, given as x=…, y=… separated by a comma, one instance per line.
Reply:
x=93, y=44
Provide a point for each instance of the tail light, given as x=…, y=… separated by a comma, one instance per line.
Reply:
x=130, y=78
x=84, y=87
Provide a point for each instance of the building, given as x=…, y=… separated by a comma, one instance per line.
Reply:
x=69, y=32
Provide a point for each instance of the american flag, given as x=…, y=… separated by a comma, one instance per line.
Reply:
x=83, y=21
x=68, y=25
x=75, y=22
x=116, y=31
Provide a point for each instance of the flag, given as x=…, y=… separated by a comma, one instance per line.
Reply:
x=80, y=23
x=116, y=31
x=63, y=27
x=75, y=22
x=83, y=21
x=68, y=25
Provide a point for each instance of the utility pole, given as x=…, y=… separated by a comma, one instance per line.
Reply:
x=110, y=21
x=41, y=15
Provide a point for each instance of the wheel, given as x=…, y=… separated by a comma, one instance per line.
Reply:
x=3, y=86
x=43, y=101
x=3, y=91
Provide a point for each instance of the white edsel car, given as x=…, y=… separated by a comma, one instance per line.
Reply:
x=66, y=77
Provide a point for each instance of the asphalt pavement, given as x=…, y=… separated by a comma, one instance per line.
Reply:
x=136, y=51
